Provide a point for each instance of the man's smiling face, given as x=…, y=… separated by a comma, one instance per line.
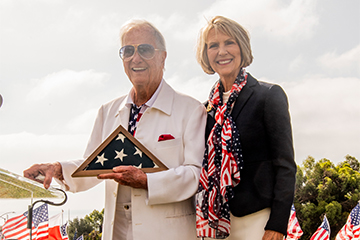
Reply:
x=141, y=72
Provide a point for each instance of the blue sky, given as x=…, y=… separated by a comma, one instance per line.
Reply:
x=59, y=62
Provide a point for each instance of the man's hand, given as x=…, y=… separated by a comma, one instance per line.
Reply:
x=272, y=235
x=127, y=176
x=43, y=173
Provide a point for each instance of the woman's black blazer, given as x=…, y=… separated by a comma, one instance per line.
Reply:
x=267, y=180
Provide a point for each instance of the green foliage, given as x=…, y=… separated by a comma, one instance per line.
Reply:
x=96, y=219
x=90, y=227
x=323, y=188
x=80, y=226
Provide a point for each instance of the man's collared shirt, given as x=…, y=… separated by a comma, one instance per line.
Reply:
x=148, y=104
x=123, y=220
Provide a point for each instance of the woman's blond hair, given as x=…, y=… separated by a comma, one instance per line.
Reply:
x=230, y=28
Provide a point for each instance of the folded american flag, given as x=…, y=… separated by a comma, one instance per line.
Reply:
x=120, y=151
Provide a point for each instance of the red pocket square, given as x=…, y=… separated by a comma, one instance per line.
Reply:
x=164, y=137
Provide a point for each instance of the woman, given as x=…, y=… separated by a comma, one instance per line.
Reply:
x=248, y=174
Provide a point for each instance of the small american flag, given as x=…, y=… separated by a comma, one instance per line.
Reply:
x=323, y=232
x=15, y=228
x=80, y=238
x=351, y=229
x=63, y=232
x=294, y=230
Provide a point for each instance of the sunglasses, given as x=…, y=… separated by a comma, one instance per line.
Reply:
x=146, y=51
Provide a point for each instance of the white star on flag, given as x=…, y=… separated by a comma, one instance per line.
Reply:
x=120, y=155
x=138, y=152
x=101, y=159
x=120, y=137
x=140, y=166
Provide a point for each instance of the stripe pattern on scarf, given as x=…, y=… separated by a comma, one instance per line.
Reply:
x=220, y=171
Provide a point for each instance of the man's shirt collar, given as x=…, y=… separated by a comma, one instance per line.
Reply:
x=150, y=102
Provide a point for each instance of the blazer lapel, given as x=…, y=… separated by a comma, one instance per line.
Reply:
x=244, y=95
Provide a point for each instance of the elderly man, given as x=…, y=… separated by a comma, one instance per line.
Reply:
x=137, y=205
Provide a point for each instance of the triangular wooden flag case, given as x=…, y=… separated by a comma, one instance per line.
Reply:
x=120, y=148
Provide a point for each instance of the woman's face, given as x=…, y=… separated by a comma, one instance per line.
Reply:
x=224, y=55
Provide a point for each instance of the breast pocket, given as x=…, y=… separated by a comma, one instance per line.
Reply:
x=170, y=152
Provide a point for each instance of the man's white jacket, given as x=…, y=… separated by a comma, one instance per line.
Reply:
x=166, y=210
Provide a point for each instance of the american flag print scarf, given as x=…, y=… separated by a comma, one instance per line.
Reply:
x=222, y=162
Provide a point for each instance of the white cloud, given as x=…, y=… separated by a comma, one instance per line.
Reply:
x=106, y=32
x=290, y=22
x=197, y=87
x=82, y=123
x=100, y=29
x=21, y=150
x=64, y=82
x=298, y=20
x=297, y=64
x=325, y=115
x=345, y=63
x=166, y=23
x=13, y=3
